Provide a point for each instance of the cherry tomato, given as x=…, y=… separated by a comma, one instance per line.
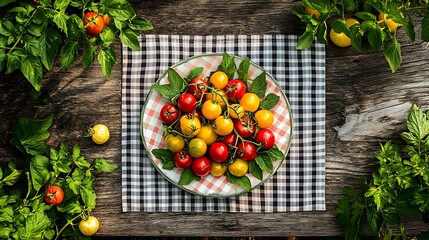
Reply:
x=250, y=102
x=106, y=19
x=195, y=113
x=174, y=142
x=245, y=127
x=182, y=159
x=218, y=152
x=219, y=80
x=246, y=151
x=99, y=133
x=238, y=168
x=190, y=125
x=223, y=126
x=93, y=23
x=197, y=147
x=218, y=95
x=264, y=118
x=187, y=102
x=235, y=88
x=201, y=166
x=236, y=110
x=90, y=226
x=198, y=87
x=211, y=109
x=54, y=195
x=207, y=134
x=229, y=140
x=266, y=137
x=217, y=169
x=169, y=113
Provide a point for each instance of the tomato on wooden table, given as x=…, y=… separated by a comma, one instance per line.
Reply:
x=54, y=195
x=94, y=23
x=99, y=133
x=90, y=226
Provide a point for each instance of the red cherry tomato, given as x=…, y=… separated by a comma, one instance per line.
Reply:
x=201, y=166
x=230, y=139
x=186, y=102
x=218, y=152
x=182, y=159
x=93, y=23
x=54, y=195
x=195, y=113
x=169, y=113
x=197, y=87
x=235, y=88
x=266, y=137
x=246, y=151
x=245, y=127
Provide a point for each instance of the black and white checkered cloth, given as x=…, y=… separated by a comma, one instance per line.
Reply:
x=298, y=185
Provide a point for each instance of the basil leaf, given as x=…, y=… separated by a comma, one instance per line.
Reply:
x=321, y=32
x=243, y=181
x=88, y=55
x=69, y=53
x=50, y=41
x=166, y=156
x=129, y=38
x=120, y=10
x=61, y=5
x=102, y=165
x=75, y=27
x=89, y=198
x=32, y=70
x=196, y=72
x=60, y=19
x=140, y=24
x=166, y=90
x=227, y=66
x=264, y=162
x=259, y=85
x=13, y=62
x=176, y=80
x=187, y=176
x=269, y=102
x=10, y=176
x=392, y=53
x=306, y=39
x=35, y=224
x=275, y=154
x=39, y=170
x=107, y=36
x=70, y=206
x=366, y=16
x=417, y=123
x=107, y=58
x=243, y=69
x=255, y=170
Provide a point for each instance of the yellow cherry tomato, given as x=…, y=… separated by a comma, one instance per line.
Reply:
x=197, y=147
x=313, y=12
x=219, y=80
x=90, y=226
x=223, y=126
x=250, y=102
x=99, y=133
x=190, y=125
x=211, y=109
x=174, y=143
x=236, y=111
x=238, y=168
x=217, y=169
x=264, y=118
x=390, y=23
x=341, y=39
x=219, y=96
x=207, y=134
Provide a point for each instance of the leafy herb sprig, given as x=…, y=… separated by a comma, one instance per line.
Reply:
x=400, y=186
x=34, y=33
x=371, y=28
x=23, y=212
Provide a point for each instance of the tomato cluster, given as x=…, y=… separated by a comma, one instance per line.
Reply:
x=94, y=23
x=217, y=126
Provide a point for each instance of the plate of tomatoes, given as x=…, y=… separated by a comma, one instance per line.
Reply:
x=216, y=125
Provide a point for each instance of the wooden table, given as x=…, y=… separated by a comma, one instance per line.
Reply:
x=365, y=104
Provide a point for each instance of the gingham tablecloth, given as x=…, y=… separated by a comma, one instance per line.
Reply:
x=298, y=185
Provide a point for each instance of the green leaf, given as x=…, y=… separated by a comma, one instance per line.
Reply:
x=89, y=198
x=6, y=214
x=61, y=5
x=12, y=177
x=36, y=29
x=13, y=62
x=32, y=70
x=140, y=24
x=306, y=39
x=374, y=219
x=264, y=162
x=75, y=28
x=259, y=85
x=425, y=27
x=32, y=45
x=187, y=176
x=392, y=53
x=102, y=165
x=196, y=72
x=39, y=170
x=60, y=19
x=227, y=65
x=120, y=10
x=321, y=33
x=269, y=102
x=255, y=170
x=69, y=53
x=35, y=225
x=6, y=2
x=167, y=91
x=275, y=154
x=50, y=41
x=29, y=135
x=164, y=155
x=417, y=122
x=88, y=55
x=71, y=205
x=107, y=36
x=176, y=80
x=243, y=69
x=366, y=16
x=6, y=28
x=107, y=58
x=243, y=181
x=340, y=26
x=129, y=38
x=374, y=34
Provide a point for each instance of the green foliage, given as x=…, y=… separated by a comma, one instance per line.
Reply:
x=23, y=212
x=33, y=33
x=375, y=31
x=399, y=187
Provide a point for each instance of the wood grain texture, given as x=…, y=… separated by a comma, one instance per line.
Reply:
x=366, y=105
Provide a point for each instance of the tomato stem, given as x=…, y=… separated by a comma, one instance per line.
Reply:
x=69, y=222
